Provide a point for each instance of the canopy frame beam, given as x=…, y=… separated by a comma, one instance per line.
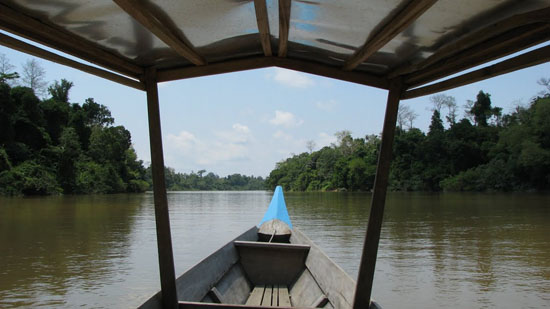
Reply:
x=532, y=58
x=35, y=30
x=264, y=62
x=391, y=28
x=160, y=29
x=491, y=49
x=162, y=218
x=263, y=26
x=284, y=26
x=472, y=39
x=21, y=46
x=367, y=266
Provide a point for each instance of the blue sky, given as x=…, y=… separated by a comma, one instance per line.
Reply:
x=246, y=122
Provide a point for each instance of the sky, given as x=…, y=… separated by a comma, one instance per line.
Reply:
x=246, y=122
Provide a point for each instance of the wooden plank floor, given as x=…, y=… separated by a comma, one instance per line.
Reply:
x=269, y=296
x=256, y=296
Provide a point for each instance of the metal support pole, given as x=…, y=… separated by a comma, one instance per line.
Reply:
x=370, y=247
x=164, y=238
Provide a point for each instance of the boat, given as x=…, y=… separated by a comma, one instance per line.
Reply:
x=270, y=265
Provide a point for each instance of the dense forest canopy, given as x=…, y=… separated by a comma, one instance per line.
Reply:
x=52, y=146
x=485, y=151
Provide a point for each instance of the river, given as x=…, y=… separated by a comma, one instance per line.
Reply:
x=436, y=250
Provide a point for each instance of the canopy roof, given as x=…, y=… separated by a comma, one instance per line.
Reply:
x=367, y=42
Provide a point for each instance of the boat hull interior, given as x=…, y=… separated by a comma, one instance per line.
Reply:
x=250, y=273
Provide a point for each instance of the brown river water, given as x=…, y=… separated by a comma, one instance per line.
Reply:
x=436, y=250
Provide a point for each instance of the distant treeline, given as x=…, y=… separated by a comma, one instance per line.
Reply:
x=207, y=182
x=485, y=151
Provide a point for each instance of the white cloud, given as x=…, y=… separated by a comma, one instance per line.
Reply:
x=282, y=135
x=241, y=128
x=325, y=139
x=220, y=152
x=285, y=119
x=238, y=134
x=287, y=144
x=184, y=141
x=230, y=145
x=292, y=78
x=326, y=105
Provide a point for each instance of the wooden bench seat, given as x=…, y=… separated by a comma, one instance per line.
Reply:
x=269, y=296
x=263, y=262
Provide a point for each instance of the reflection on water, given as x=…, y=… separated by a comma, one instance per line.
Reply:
x=440, y=250
x=488, y=250
x=56, y=250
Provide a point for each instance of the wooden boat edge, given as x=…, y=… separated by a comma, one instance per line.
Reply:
x=337, y=284
x=223, y=259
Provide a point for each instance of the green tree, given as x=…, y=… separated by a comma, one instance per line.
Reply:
x=92, y=178
x=7, y=111
x=482, y=110
x=70, y=152
x=97, y=114
x=78, y=121
x=7, y=73
x=463, y=147
x=109, y=144
x=436, y=125
x=344, y=141
x=135, y=172
x=5, y=163
x=29, y=178
x=60, y=90
x=359, y=177
x=51, y=146
x=434, y=154
x=27, y=105
x=56, y=115
x=407, y=163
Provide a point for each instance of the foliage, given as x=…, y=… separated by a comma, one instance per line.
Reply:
x=29, y=178
x=60, y=91
x=348, y=165
x=497, y=153
x=493, y=176
x=7, y=74
x=482, y=110
x=201, y=181
x=51, y=146
x=5, y=163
